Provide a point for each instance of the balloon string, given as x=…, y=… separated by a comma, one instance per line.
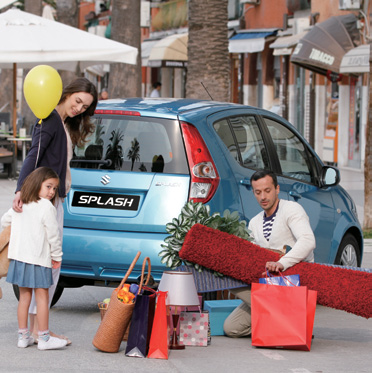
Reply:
x=38, y=149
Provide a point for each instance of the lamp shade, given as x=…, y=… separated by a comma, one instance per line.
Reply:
x=180, y=287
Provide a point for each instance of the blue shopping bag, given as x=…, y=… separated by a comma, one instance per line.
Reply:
x=290, y=280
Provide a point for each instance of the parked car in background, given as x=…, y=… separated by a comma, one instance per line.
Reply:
x=148, y=157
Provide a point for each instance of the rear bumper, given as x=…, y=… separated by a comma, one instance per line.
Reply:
x=97, y=255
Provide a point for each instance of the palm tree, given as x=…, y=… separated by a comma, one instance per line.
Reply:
x=68, y=14
x=208, y=54
x=133, y=153
x=367, y=224
x=125, y=79
x=115, y=151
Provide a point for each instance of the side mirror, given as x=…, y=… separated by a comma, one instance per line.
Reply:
x=330, y=176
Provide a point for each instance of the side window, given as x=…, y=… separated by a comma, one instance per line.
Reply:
x=292, y=155
x=243, y=139
x=224, y=133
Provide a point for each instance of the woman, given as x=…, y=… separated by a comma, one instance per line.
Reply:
x=52, y=145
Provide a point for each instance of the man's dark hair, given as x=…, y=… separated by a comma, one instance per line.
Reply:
x=156, y=85
x=263, y=173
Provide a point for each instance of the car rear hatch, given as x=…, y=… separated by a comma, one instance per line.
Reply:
x=131, y=175
x=129, y=180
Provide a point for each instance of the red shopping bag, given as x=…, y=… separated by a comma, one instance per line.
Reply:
x=159, y=335
x=282, y=316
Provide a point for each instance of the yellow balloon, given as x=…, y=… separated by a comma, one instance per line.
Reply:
x=42, y=89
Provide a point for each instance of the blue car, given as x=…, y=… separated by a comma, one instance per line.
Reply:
x=148, y=157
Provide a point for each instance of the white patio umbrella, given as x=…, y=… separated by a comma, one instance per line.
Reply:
x=27, y=40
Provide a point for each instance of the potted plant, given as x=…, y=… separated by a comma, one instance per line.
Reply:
x=191, y=214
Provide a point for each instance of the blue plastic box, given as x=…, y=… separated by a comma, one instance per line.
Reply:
x=218, y=312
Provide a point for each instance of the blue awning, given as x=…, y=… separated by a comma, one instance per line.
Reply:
x=252, y=41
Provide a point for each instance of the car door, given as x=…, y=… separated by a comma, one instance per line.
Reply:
x=248, y=152
x=299, y=175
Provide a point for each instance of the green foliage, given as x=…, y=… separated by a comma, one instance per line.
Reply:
x=191, y=214
x=367, y=233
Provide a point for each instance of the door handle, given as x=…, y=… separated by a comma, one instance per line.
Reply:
x=245, y=182
x=294, y=194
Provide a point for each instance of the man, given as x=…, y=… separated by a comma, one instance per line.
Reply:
x=281, y=224
x=104, y=94
x=156, y=91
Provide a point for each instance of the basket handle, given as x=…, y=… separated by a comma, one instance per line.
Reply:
x=129, y=270
x=147, y=259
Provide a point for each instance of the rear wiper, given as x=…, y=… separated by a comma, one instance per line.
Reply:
x=106, y=162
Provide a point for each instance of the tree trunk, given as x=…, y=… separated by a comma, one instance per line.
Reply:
x=125, y=79
x=68, y=14
x=368, y=158
x=33, y=7
x=208, y=54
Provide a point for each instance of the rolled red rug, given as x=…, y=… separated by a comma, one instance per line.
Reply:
x=340, y=288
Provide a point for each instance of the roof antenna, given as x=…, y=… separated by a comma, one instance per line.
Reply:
x=206, y=90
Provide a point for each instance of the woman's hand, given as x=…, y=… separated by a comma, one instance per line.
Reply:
x=17, y=203
x=55, y=264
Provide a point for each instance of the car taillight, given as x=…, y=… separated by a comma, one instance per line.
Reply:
x=204, y=175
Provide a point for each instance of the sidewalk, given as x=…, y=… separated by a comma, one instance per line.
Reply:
x=353, y=182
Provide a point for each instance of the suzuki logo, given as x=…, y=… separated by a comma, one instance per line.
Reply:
x=105, y=179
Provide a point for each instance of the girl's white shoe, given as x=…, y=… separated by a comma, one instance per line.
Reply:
x=25, y=341
x=51, y=344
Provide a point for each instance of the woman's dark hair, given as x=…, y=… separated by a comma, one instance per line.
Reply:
x=263, y=173
x=32, y=185
x=80, y=126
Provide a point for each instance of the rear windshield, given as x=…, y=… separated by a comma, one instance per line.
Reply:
x=133, y=144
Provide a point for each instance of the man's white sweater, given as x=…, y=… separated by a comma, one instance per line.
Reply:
x=291, y=227
x=34, y=235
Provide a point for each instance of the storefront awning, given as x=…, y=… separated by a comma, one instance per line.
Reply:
x=170, y=51
x=356, y=61
x=283, y=45
x=323, y=47
x=146, y=47
x=250, y=41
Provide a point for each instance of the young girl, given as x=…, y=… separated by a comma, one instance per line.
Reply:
x=52, y=146
x=34, y=248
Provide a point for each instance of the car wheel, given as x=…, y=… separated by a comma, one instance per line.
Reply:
x=348, y=252
x=56, y=296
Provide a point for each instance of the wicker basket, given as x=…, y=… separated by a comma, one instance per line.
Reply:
x=116, y=318
x=103, y=308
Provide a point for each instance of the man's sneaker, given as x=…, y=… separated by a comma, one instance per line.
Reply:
x=51, y=344
x=25, y=341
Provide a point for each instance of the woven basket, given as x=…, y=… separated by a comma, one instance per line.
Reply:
x=103, y=308
x=117, y=316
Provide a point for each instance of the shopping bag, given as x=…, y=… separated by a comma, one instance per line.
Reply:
x=289, y=280
x=117, y=317
x=142, y=320
x=4, y=243
x=282, y=316
x=159, y=335
x=194, y=327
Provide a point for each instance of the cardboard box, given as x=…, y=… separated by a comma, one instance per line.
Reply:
x=218, y=312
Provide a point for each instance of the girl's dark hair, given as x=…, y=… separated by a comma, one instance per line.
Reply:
x=32, y=185
x=80, y=126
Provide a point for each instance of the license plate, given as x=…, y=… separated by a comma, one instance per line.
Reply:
x=106, y=201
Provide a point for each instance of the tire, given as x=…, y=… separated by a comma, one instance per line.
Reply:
x=348, y=252
x=56, y=296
